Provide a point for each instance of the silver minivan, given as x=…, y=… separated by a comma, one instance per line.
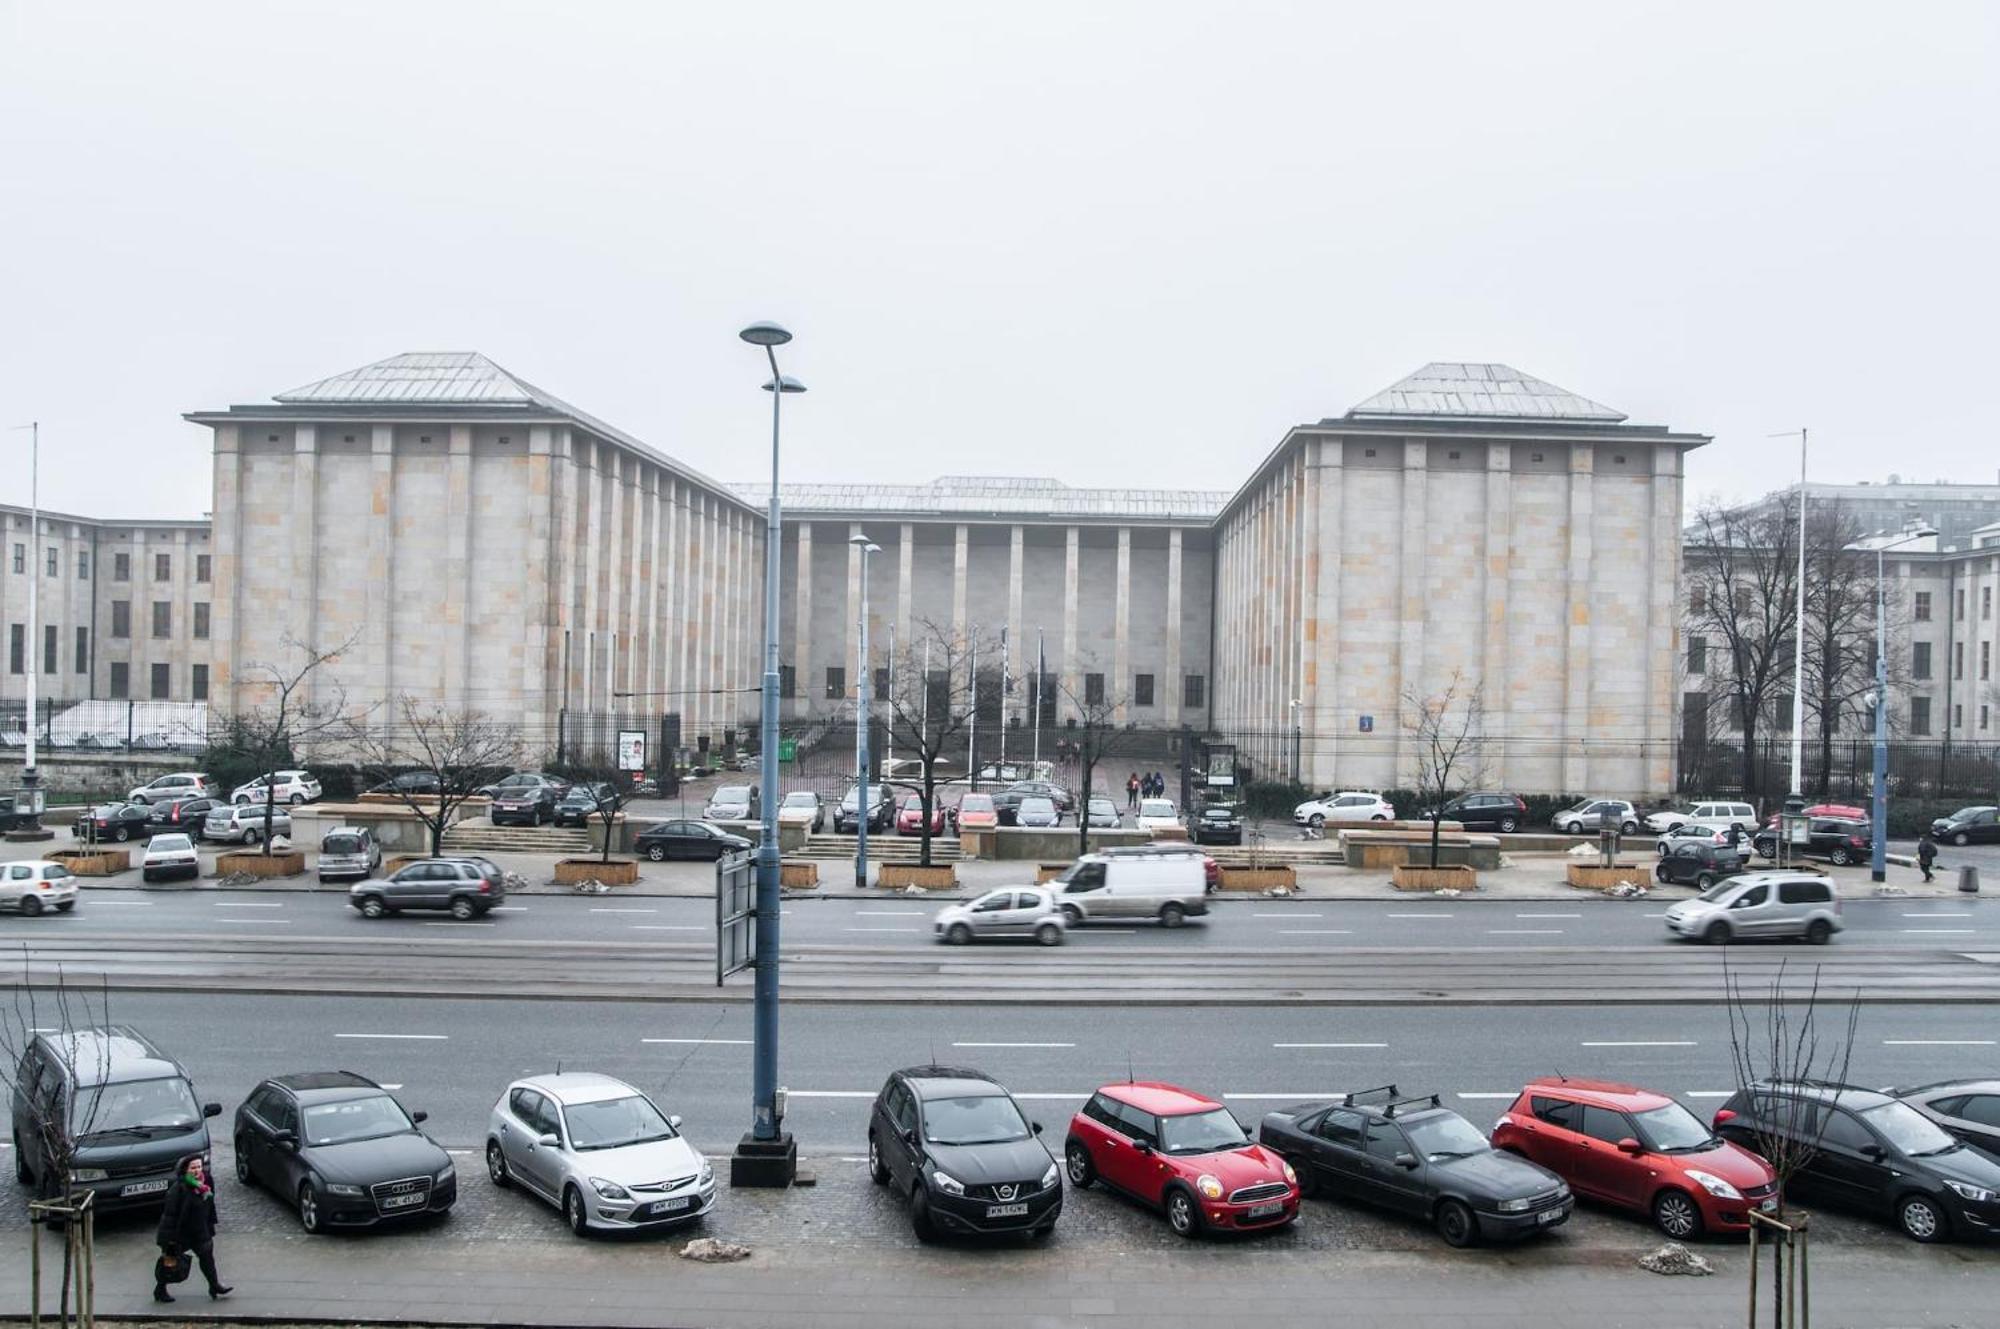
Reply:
x=349, y=852
x=1169, y=887
x=1780, y=905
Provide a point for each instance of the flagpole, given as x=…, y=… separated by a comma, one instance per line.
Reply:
x=1001, y=760
x=1041, y=663
x=889, y=737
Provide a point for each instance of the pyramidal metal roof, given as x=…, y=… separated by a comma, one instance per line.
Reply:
x=1457, y=390
x=425, y=376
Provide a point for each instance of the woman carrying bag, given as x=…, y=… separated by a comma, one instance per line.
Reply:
x=187, y=1230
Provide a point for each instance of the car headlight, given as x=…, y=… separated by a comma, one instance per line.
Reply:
x=445, y=1173
x=947, y=1183
x=87, y=1174
x=1208, y=1186
x=1049, y=1177
x=1290, y=1175
x=1714, y=1185
x=609, y=1190
x=707, y=1172
x=342, y=1188
x=1519, y=1206
x=1971, y=1192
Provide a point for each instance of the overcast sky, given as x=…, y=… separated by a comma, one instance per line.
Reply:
x=1116, y=244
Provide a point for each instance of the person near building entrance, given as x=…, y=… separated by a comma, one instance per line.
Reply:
x=1132, y=790
x=1926, y=853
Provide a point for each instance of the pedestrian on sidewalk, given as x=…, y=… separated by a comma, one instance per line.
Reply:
x=1132, y=790
x=1926, y=853
x=187, y=1226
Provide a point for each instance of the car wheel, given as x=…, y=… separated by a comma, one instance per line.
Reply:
x=30, y=906
x=656, y=852
x=21, y=1173
x=1508, y=825
x=1704, y=881
x=309, y=1215
x=241, y=800
x=1378, y=817
x=1308, y=1183
x=958, y=934
x=1840, y=857
x=1716, y=933
x=1172, y=915
x=1628, y=828
x=1073, y=914
x=878, y=1171
x=1455, y=1224
x=1571, y=828
x=1048, y=934
x=1960, y=838
x=252, y=835
x=1183, y=1214
x=920, y=1215
x=1660, y=873
x=243, y=1176
x=462, y=908
x=496, y=1165
x=122, y=834
x=1076, y=1162
x=1921, y=1219
x=1317, y=821
x=1818, y=932
x=574, y=1213
x=1676, y=1214
x=372, y=906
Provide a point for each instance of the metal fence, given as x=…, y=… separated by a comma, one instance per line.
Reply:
x=88, y=727
x=1918, y=770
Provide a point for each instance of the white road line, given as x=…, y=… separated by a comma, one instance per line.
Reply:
x=1052, y=1097
x=1290, y=1098
x=1548, y=915
x=1416, y=915
x=1710, y=1093
x=462, y=1152
x=721, y=1042
x=1938, y=1042
x=278, y=922
x=840, y=1093
x=97, y=902
x=1315, y=932
x=888, y=913
x=456, y=924
x=1511, y=1093
x=508, y=909
x=1108, y=932
x=1653, y=915
x=1943, y=913
x=1288, y=914
x=881, y=929
x=418, y=1038
x=1013, y=1045
x=1942, y=932
x=245, y=904
x=1329, y=1045
x=600, y=910
x=1644, y=1043
x=1524, y=932
x=666, y=927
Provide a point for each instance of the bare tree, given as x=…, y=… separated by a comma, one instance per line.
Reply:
x=1741, y=569
x=1099, y=737
x=1841, y=596
x=601, y=789
x=1447, y=732
x=930, y=707
x=433, y=758
x=287, y=712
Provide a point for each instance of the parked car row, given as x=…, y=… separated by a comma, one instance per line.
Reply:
x=291, y=787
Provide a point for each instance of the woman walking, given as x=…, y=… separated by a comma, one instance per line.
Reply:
x=187, y=1226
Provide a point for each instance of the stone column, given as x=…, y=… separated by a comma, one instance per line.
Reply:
x=1576, y=642
x=589, y=618
x=1018, y=648
x=1121, y=630
x=1173, y=678
x=1071, y=679
x=301, y=616
x=905, y=551
x=1411, y=606
x=457, y=571
x=958, y=567
x=851, y=629
x=1495, y=676
x=1313, y=624
x=1663, y=562
x=802, y=623
x=673, y=587
x=566, y=639
x=645, y=667
x=538, y=594
x=226, y=618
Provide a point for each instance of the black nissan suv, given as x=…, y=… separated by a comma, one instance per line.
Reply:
x=1869, y=1151
x=955, y=1144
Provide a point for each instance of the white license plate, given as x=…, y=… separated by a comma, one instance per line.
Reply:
x=1006, y=1210
x=145, y=1187
x=403, y=1201
x=1549, y=1216
x=1265, y=1210
x=1769, y=1206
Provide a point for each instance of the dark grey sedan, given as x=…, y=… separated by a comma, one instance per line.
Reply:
x=1969, y=1109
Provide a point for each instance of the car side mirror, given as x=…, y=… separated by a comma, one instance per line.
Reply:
x=286, y=1139
x=674, y=1121
x=1628, y=1145
x=1874, y=1151
x=548, y=1142
x=420, y=1117
x=1035, y=1126
x=211, y=1109
x=1406, y=1161
x=1724, y=1115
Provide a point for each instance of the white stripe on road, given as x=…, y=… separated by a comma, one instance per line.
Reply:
x=840, y=1093
x=1943, y=913
x=722, y=1042
x=1645, y=1043
x=1013, y=1045
x=508, y=909
x=667, y=927
x=1289, y=1098
x=1710, y=1093
x=1938, y=1042
x=462, y=1152
x=456, y=924
x=889, y=913
x=1055, y=1097
x=1524, y=932
x=1942, y=932
x=600, y=910
x=1548, y=915
x=280, y=922
x=1329, y=1045
x=1417, y=915
x=1511, y=1093
x=96, y=903
x=881, y=929
x=245, y=904
x=425, y=1038
x=1315, y=932
x=1288, y=914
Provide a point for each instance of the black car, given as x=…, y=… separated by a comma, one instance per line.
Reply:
x=1979, y=825
x=1218, y=826
x=184, y=815
x=409, y=782
x=1698, y=863
x=1836, y=839
x=1506, y=813
x=1869, y=1151
x=881, y=810
x=585, y=803
x=116, y=821
x=956, y=1144
x=525, y=801
x=687, y=839
x=1008, y=800
x=1969, y=1109
x=1415, y=1157
x=342, y=1150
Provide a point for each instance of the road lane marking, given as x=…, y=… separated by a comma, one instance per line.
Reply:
x=1417, y=915
x=1288, y=914
x=120, y=904
x=463, y=1153
x=667, y=927
x=721, y=1042
x=840, y=1093
x=1054, y=1097
x=456, y=924
x=1106, y=932
x=1942, y=932
x=278, y=922
x=1939, y=1042
x=245, y=904
x=418, y=1038
x=1524, y=932
x=508, y=909
x=1329, y=1045
x=596, y=909
x=881, y=929
x=1511, y=1093
x=1644, y=1043
x=1013, y=1045
x=1289, y=1098
x=1710, y=1093
x=1943, y=913
x=1315, y=932
x=888, y=913
x=1548, y=915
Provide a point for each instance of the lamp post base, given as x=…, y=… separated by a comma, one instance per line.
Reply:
x=764, y=1164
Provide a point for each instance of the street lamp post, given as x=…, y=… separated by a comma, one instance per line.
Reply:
x=1878, y=807
x=1298, y=776
x=767, y=1156
x=861, y=806
x=29, y=800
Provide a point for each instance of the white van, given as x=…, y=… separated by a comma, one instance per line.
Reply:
x=1169, y=887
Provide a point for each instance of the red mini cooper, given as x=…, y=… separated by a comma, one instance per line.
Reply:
x=1183, y=1153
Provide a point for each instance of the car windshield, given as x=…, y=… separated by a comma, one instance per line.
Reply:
x=1102, y=805
x=612, y=1123
x=1672, y=1129
x=171, y=842
x=1217, y=814
x=1908, y=1129
x=914, y=803
x=1201, y=1132
x=1720, y=891
x=336, y=844
x=1037, y=805
x=135, y=1107
x=734, y=793
x=982, y=1119
x=355, y=1119
x=1155, y=807
x=799, y=800
x=1967, y=814
x=976, y=803
x=1447, y=1135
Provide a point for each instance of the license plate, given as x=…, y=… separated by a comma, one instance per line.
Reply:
x=145, y=1187
x=1769, y=1206
x=403, y=1201
x=670, y=1206
x=1006, y=1210
x=1549, y=1216
x=1265, y=1210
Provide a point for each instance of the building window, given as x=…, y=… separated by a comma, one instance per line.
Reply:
x=1194, y=692
x=1985, y=661
x=51, y=639
x=1986, y=602
x=1742, y=602
x=201, y=621
x=836, y=682
x=121, y=679
x=20, y=558
x=83, y=565
x=1920, y=660
x=54, y=561
x=17, y=650
x=121, y=619
x=201, y=560
x=1697, y=655
x=1922, y=610
x=163, y=567
x=159, y=682
x=1958, y=605
x=198, y=684
x=1093, y=689
x=121, y=567
x=787, y=681
x=1697, y=599
x=1142, y=689
x=1957, y=716
x=881, y=685
x=1781, y=714
x=1958, y=659
x=83, y=650
x=1920, y=716
x=1984, y=714
x=163, y=618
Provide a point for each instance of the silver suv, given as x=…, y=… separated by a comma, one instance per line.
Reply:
x=1785, y=905
x=243, y=823
x=1597, y=814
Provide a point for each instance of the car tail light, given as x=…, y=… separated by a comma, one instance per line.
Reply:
x=1857, y=841
x=44, y=885
x=1504, y=1120
x=485, y=886
x=1724, y=1115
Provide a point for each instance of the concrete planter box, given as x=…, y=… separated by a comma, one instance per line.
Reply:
x=93, y=862
x=1049, y=871
x=938, y=877
x=397, y=862
x=1595, y=877
x=1373, y=850
x=1260, y=879
x=618, y=872
x=1406, y=878
x=1033, y=844
x=799, y=876
x=1178, y=833
x=250, y=863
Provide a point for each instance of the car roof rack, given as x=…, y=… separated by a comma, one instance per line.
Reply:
x=1420, y=1100
x=1354, y=1099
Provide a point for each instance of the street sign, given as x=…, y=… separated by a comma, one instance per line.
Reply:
x=788, y=749
x=632, y=751
x=1367, y=724
x=735, y=914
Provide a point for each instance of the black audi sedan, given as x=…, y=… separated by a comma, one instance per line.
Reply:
x=341, y=1150
x=956, y=1146
x=687, y=839
x=1413, y=1156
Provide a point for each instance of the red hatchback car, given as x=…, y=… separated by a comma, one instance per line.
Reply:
x=1182, y=1153
x=1638, y=1150
x=910, y=815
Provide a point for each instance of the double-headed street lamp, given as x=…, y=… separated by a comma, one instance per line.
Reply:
x=861, y=697
x=767, y=1156
x=1879, y=803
